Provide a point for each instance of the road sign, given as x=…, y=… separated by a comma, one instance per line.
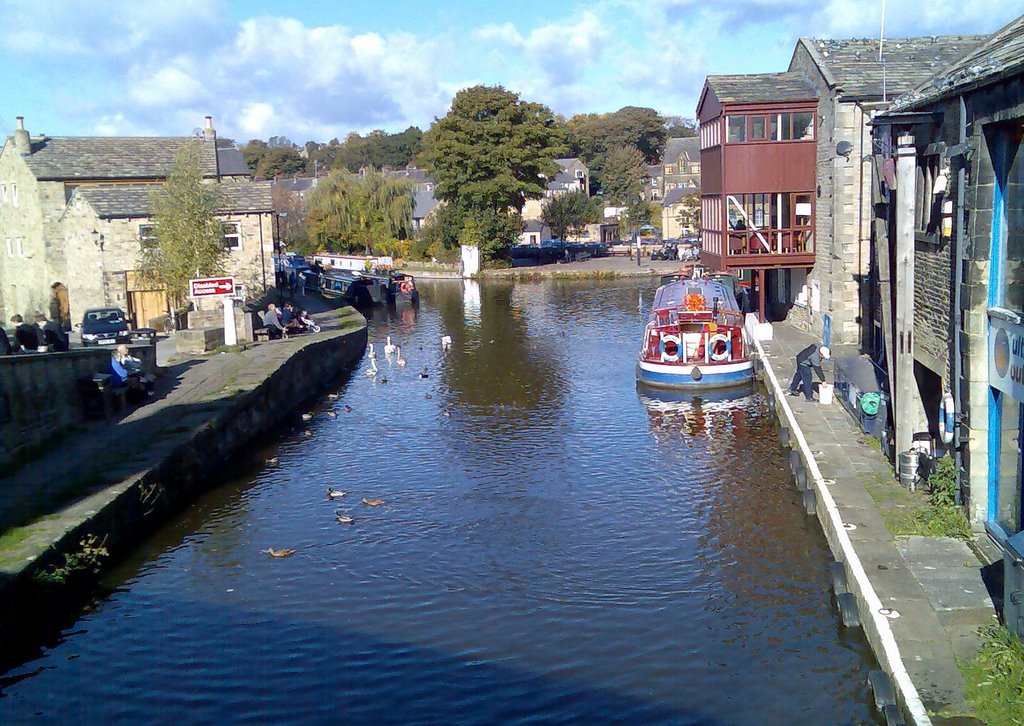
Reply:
x=210, y=286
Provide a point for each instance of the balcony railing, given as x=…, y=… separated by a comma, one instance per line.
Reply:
x=770, y=242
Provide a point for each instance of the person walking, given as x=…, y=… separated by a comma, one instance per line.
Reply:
x=810, y=358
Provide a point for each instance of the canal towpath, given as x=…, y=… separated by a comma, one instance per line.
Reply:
x=46, y=502
x=920, y=599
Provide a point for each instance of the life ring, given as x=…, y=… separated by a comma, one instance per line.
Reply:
x=724, y=353
x=946, y=419
x=665, y=347
x=406, y=287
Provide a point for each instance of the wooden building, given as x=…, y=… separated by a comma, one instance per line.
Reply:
x=758, y=146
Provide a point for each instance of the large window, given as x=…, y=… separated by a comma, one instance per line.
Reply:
x=790, y=126
x=736, y=129
x=758, y=128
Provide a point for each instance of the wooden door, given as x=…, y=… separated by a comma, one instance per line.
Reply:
x=146, y=301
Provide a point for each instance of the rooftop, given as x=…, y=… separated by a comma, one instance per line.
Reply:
x=113, y=201
x=762, y=87
x=59, y=158
x=681, y=149
x=853, y=66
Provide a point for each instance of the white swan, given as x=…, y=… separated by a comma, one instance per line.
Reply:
x=373, y=353
x=399, y=359
x=372, y=370
x=446, y=342
x=389, y=349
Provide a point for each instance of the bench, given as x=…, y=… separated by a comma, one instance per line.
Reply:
x=261, y=334
x=99, y=398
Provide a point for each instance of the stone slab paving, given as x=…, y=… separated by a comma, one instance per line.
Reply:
x=934, y=583
x=84, y=468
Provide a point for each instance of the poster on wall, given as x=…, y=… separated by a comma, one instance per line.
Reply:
x=1006, y=357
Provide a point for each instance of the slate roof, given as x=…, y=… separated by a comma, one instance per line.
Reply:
x=688, y=148
x=566, y=163
x=852, y=65
x=113, y=201
x=1000, y=55
x=422, y=203
x=297, y=184
x=674, y=196
x=762, y=87
x=230, y=162
x=59, y=158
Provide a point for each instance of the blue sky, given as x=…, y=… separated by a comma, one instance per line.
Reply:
x=316, y=71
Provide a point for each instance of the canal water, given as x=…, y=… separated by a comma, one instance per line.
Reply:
x=554, y=546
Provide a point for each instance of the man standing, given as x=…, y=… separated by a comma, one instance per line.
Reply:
x=808, y=359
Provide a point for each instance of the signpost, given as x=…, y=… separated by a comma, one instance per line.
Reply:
x=223, y=287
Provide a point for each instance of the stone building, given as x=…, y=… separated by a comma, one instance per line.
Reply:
x=852, y=84
x=949, y=156
x=75, y=214
x=573, y=176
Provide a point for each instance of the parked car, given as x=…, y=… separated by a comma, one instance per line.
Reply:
x=109, y=326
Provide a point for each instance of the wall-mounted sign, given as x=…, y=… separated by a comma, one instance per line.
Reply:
x=209, y=286
x=1006, y=357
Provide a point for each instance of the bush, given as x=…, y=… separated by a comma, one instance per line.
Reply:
x=995, y=678
x=944, y=518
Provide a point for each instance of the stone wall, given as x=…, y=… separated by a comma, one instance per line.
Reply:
x=39, y=396
x=22, y=270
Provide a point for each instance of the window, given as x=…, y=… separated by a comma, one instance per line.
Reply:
x=147, y=236
x=10, y=247
x=14, y=194
x=3, y=192
x=757, y=128
x=232, y=236
x=736, y=129
x=781, y=129
x=240, y=292
x=668, y=170
x=803, y=126
x=579, y=174
x=20, y=243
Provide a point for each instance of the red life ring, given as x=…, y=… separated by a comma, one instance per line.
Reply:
x=406, y=287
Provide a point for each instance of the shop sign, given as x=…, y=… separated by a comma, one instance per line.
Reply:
x=1006, y=357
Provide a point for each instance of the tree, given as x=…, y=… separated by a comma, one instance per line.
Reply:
x=491, y=153
x=688, y=215
x=280, y=160
x=189, y=237
x=593, y=136
x=638, y=213
x=678, y=127
x=623, y=173
x=291, y=220
x=350, y=214
x=569, y=214
x=378, y=149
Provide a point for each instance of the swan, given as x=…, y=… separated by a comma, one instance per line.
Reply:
x=399, y=359
x=272, y=461
x=372, y=370
x=333, y=493
x=308, y=434
x=446, y=342
x=332, y=396
x=372, y=353
x=307, y=417
x=389, y=349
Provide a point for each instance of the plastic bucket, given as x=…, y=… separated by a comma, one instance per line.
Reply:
x=826, y=392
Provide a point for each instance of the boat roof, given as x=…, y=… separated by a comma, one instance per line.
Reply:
x=674, y=294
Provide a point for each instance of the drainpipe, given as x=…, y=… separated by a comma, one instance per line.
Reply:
x=263, y=258
x=958, y=275
x=860, y=233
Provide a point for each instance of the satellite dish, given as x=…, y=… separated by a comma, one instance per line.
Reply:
x=197, y=131
x=843, y=148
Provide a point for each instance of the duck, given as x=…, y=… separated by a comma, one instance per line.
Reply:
x=389, y=349
x=398, y=357
x=446, y=413
x=307, y=417
x=332, y=396
x=446, y=342
x=373, y=502
x=424, y=376
x=372, y=370
x=427, y=396
x=332, y=414
x=383, y=379
x=344, y=518
x=279, y=552
x=307, y=433
x=348, y=409
x=333, y=493
x=272, y=461
x=372, y=354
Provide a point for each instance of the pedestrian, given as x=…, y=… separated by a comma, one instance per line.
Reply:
x=5, y=343
x=272, y=321
x=25, y=334
x=51, y=335
x=808, y=359
x=293, y=282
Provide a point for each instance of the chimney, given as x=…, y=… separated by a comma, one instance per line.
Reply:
x=22, y=141
x=209, y=133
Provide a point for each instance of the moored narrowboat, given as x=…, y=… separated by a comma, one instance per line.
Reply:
x=694, y=338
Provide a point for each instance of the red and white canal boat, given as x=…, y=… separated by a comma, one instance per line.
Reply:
x=694, y=338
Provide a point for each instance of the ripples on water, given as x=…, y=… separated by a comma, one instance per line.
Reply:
x=560, y=547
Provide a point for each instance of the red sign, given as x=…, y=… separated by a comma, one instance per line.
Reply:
x=210, y=286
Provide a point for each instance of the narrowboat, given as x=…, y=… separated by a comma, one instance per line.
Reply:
x=694, y=338
x=352, y=288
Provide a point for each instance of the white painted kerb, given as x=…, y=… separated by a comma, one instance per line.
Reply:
x=890, y=655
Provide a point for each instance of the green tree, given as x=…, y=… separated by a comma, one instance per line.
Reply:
x=638, y=213
x=349, y=214
x=253, y=153
x=491, y=153
x=623, y=173
x=680, y=127
x=189, y=237
x=279, y=160
x=569, y=214
x=593, y=136
x=378, y=149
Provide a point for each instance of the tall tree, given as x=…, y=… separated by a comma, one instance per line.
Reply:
x=593, y=136
x=253, y=153
x=623, y=173
x=189, y=237
x=489, y=154
x=569, y=214
x=680, y=127
x=350, y=214
x=279, y=160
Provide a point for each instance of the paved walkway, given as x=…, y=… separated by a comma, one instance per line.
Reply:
x=188, y=394
x=934, y=584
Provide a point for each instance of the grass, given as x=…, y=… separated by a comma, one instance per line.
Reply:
x=934, y=514
x=995, y=677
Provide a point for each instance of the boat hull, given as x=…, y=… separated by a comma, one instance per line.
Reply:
x=660, y=375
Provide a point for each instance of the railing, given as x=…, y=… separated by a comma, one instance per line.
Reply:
x=770, y=242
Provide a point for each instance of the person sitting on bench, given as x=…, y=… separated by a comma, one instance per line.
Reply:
x=273, y=322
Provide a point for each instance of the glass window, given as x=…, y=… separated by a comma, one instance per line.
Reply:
x=803, y=125
x=737, y=129
x=802, y=210
x=147, y=236
x=1009, y=170
x=757, y=128
x=232, y=236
